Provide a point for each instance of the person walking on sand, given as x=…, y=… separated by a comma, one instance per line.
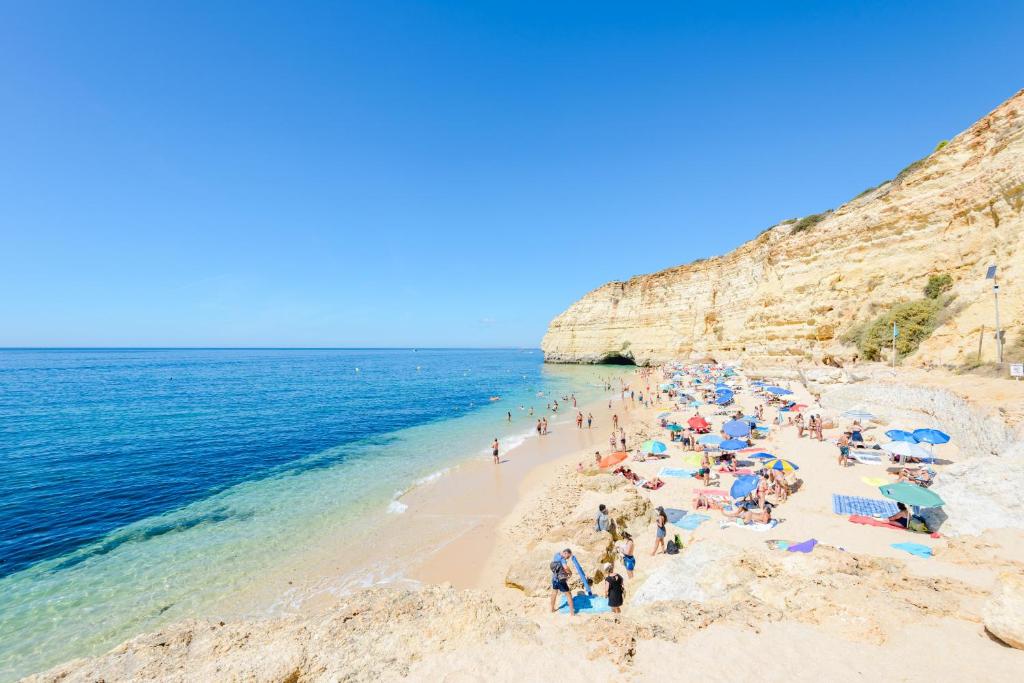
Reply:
x=613, y=588
x=579, y=420
x=660, y=531
x=560, y=580
x=538, y=428
x=494, y=450
x=844, y=449
x=615, y=421
x=590, y=420
x=611, y=441
x=545, y=420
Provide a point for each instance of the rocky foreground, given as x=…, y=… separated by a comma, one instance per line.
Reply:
x=796, y=289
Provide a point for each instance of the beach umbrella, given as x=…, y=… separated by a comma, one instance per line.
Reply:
x=744, y=485
x=613, y=459
x=674, y=428
x=710, y=439
x=778, y=391
x=696, y=404
x=698, y=422
x=901, y=435
x=732, y=445
x=763, y=456
x=651, y=446
x=858, y=415
x=723, y=399
x=798, y=407
x=782, y=465
x=933, y=436
x=736, y=428
x=692, y=459
x=912, y=494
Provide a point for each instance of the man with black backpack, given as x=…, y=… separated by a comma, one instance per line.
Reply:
x=560, y=580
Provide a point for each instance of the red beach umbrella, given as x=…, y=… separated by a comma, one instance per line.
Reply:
x=698, y=422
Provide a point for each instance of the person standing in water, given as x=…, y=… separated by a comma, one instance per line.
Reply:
x=509, y=416
x=494, y=450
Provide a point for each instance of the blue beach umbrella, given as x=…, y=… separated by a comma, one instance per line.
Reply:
x=933, y=436
x=736, y=428
x=732, y=445
x=782, y=465
x=696, y=404
x=778, y=391
x=674, y=428
x=762, y=456
x=710, y=439
x=901, y=435
x=744, y=485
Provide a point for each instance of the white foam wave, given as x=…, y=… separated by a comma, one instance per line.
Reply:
x=396, y=507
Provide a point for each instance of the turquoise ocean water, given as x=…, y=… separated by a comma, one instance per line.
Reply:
x=139, y=487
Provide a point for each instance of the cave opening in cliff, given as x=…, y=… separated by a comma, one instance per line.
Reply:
x=617, y=359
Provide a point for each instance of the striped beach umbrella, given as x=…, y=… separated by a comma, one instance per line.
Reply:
x=652, y=446
x=781, y=465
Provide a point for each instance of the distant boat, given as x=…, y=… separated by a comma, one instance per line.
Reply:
x=495, y=398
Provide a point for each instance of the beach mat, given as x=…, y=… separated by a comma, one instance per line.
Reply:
x=871, y=521
x=741, y=471
x=586, y=604
x=868, y=507
x=914, y=549
x=867, y=457
x=678, y=472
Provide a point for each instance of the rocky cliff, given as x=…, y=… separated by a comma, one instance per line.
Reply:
x=792, y=292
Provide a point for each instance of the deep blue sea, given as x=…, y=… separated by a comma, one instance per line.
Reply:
x=137, y=486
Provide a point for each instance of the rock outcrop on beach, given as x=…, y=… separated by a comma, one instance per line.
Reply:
x=1004, y=611
x=792, y=292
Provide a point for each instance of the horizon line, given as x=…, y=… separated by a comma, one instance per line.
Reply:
x=266, y=348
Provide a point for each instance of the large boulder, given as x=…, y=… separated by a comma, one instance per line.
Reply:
x=1004, y=611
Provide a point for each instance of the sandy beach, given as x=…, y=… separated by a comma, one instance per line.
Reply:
x=855, y=601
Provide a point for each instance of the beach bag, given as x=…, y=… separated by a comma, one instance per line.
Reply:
x=671, y=548
x=917, y=524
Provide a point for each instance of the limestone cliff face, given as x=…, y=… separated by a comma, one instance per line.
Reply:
x=789, y=295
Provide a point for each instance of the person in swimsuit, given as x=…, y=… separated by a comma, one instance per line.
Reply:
x=660, y=531
x=614, y=590
x=844, y=449
x=494, y=451
x=626, y=549
x=590, y=420
x=902, y=516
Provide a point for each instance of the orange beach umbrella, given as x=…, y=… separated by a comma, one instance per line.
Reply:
x=613, y=459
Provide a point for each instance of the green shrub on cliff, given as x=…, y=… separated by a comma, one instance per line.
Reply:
x=938, y=285
x=808, y=222
x=915, y=320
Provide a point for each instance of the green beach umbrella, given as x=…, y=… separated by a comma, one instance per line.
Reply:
x=651, y=446
x=911, y=494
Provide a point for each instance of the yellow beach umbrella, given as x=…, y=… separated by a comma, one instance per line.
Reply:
x=780, y=464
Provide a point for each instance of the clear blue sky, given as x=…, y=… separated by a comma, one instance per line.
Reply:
x=438, y=173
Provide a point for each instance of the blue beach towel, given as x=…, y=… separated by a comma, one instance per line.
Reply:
x=869, y=507
x=680, y=472
x=688, y=521
x=914, y=549
x=805, y=547
x=586, y=604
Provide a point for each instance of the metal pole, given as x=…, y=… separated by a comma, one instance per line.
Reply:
x=999, y=336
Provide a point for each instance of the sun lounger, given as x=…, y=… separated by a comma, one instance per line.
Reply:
x=866, y=456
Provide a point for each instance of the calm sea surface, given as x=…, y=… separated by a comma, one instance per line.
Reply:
x=137, y=486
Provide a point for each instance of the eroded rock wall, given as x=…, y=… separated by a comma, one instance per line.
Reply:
x=786, y=296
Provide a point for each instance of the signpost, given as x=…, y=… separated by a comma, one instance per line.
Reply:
x=1017, y=370
x=991, y=275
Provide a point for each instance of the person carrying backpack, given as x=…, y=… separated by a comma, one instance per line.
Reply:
x=560, y=580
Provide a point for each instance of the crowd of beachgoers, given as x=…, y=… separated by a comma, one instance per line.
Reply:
x=718, y=430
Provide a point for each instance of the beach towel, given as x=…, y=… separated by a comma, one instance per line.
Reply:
x=751, y=527
x=680, y=472
x=871, y=521
x=869, y=507
x=689, y=521
x=805, y=547
x=866, y=457
x=653, y=485
x=914, y=549
x=876, y=481
x=738, y=472
x=586, y=604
